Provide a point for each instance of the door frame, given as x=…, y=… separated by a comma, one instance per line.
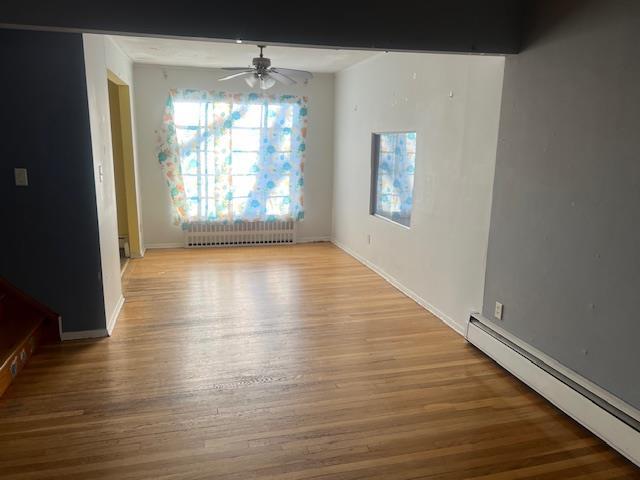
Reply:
x=128, y=158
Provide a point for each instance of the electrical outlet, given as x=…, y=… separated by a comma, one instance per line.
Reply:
x=497, y=313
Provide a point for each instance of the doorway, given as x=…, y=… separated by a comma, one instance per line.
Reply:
x=124, y=169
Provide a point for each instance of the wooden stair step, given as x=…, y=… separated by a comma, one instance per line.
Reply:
x=24, y=324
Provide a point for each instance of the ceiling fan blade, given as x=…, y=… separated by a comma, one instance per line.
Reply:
x=231, y=69
x=235, y=75
x=299, y=75
x=281, y=78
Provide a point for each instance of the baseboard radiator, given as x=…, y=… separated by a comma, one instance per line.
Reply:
x=614, y=421
x=205, y=234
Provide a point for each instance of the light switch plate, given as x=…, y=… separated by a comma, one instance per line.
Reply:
x=20, y=174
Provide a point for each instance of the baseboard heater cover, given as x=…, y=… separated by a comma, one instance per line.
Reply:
x=617, y=428
x=207, y=234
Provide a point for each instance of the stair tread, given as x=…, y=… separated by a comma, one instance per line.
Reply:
x=17, y=322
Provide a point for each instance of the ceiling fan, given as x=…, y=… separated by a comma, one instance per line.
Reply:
x=262, y=74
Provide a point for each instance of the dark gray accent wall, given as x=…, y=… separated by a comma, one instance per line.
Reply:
x=564, y=243
x=49, y=244
x=491, y=26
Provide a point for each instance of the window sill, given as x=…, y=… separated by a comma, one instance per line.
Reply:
x=390, y=221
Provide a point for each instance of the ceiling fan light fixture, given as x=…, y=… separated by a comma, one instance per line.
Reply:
x=252, y=80
x=266, y=82
x=261, y=74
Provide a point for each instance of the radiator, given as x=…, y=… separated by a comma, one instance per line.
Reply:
x=205, y=234
x=613, y=420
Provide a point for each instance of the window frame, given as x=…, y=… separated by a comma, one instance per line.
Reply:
x=201, y=177
x=375, y=161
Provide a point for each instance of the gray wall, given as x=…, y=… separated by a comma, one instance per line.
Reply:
x=49, y=238
x=564, y=245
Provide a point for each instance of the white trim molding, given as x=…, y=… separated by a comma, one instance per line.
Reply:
x=324, y=238
x=84, y=334
x=446, y=319
x=567, y=372
x=164, y=245
x=538, y=374
x=98, y=333
x=114, y=318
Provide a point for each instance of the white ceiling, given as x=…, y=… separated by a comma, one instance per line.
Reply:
x=197, y=53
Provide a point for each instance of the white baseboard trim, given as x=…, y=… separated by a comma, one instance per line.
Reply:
x=407, y=291
x=98, y=333
x=111, y=324
x=164, y=245
x=313, y=239
x=567, y=372
x=83, y=334
x=601, y=422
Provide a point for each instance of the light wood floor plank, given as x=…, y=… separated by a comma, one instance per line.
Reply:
x=285, y=363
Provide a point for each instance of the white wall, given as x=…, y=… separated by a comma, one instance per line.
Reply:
x=101, y=54
x=441, y=258
x=152, y=84
x=95, y=67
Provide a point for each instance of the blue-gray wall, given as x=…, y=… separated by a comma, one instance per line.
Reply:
x=49, y=243
x=564, y=244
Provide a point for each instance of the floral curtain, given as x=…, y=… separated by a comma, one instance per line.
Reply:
x=395, y=170
x=234, y=157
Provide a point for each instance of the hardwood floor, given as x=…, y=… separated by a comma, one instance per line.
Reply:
x=283, y=363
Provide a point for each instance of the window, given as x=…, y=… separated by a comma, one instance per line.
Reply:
x=234, y=157
x=393, y=169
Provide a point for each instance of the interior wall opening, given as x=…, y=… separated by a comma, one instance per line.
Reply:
x=124, y=169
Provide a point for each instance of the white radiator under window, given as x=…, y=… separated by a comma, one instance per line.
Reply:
x=204, y=234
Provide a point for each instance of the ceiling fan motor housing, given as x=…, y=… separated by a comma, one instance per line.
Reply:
x=263, y=75
x=261, y=64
